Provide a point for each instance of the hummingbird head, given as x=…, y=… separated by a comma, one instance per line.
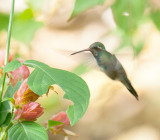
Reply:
x=94, y=48
x=97, y=46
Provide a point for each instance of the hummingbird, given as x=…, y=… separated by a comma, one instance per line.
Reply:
x=110, y=65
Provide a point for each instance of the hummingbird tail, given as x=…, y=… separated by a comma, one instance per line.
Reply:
x=129, y=86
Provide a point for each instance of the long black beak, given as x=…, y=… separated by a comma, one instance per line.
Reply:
x=81, y=51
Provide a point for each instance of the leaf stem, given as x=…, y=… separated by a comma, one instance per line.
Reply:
x=5, y=132
x=6, y=137
x=7, y=47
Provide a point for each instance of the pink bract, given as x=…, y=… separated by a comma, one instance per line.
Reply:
x=29, y=112
x=24, y=94
x=61, y=117
x=19, y=74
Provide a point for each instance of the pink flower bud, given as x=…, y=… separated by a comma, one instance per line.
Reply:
x=19, y=74
x=61, y=117
x=58, y=129
x=29, y=112
x=24, y=95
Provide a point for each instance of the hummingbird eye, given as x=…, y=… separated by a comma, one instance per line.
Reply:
x=95, y=53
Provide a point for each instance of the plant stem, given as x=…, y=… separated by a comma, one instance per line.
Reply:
x=5, y=138
x=6, y=131
x=7, y=48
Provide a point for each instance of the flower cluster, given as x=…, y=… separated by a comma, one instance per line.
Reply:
x=24, y=99
x=27, y=108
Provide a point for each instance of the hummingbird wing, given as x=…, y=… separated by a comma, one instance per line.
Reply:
x=109, y=65
x=122, y=77
x=114, y=69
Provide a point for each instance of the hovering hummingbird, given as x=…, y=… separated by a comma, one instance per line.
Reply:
x=110, y=65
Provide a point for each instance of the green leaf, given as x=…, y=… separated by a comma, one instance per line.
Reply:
x=5, y=108
x=75, y=88
x=25, y=26
x=13, y=65
x=155, y=17
x=12, y=90
x=26, y=14
x=26, y=32
x=4, y=19
x=52, y=123
x=7, y=121
x=82, y=5
x=27, y=131
x=134, y=9
x=138, y=48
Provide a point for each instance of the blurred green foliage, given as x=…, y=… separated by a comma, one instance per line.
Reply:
x=134, y=9
x=35, y=5
x=81, y=69
x=155, y=15
x=82, y=5
x=24, y=25
x=128, y=15
x=4, y=19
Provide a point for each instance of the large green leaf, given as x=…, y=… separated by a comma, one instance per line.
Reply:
x=75, y=88
x=82, y=5
x=5, y=109
x=27, y=131
x=134, y=9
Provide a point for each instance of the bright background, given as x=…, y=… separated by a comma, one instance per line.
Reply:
x=131, y=31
